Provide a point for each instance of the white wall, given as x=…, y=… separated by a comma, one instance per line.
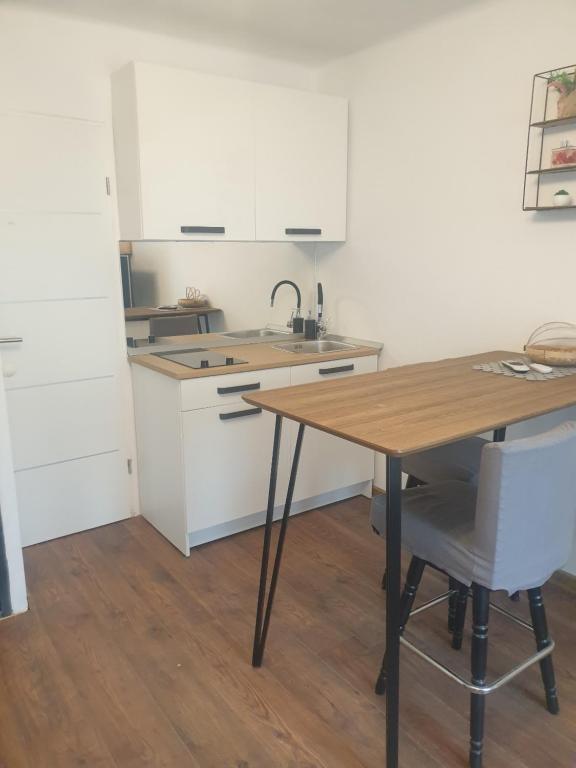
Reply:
x=440, y=259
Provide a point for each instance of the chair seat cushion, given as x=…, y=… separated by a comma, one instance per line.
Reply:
x=455, y=461
x=437, y=525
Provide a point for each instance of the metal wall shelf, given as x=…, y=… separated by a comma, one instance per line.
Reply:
x=535, y=144
x=559, y=169
x=549, y=207
x=557, y=121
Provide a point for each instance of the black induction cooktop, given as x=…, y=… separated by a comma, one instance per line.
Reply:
x=200, y=358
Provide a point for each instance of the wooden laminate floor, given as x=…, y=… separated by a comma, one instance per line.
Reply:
x=133, y=656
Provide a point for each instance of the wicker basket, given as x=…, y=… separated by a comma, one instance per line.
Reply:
x=553, y=344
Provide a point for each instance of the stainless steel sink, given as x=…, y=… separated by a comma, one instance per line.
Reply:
x=314, y=347
x=253, y=333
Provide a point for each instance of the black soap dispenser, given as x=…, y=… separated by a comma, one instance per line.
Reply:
x=310, y=327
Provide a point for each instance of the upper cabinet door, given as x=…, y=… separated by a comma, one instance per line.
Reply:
x=301, y=141
x=185, y=155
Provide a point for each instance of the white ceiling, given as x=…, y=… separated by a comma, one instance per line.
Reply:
x=308, y=31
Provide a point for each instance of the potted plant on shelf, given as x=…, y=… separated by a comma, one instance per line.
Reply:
x=565, y=83
x=562, y=198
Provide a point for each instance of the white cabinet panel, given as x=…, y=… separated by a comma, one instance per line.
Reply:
x=72, y=496
x=196, y=156
x=223, y=390
x=55, y=257
x=64, y=421
x=301, y=164
x=51, y=164
x=327, y=462
x=227, y=464
x=194, y=150
x=63, y=341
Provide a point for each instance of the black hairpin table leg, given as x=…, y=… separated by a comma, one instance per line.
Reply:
x=393, y=555
x=263, y=614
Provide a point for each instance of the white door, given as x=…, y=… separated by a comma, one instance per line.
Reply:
x=196, y=155
x=60, y=291
x=328, y=463
x=301, y=165
x=12, y=582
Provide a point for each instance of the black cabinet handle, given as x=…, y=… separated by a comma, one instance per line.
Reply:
x=337, y=369
x=239, y=414
x=302, y=231
x=203, y=230
x=239, y=388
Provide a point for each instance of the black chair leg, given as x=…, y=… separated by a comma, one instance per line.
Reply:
x=540, y=625
x=452, y=601
x=384, y=579
x=413, y=579
x=460, y=616
x=480, y=611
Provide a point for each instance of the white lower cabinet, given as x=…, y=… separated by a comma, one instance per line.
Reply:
x=204, y=454
x=328, y=463
x=227, y=454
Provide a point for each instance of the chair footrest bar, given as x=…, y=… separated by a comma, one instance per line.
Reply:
x=433, y=602
x=487, y=687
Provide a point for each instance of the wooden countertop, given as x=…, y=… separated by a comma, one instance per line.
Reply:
x=257, y=356
x=145, y=313
x=414, y=407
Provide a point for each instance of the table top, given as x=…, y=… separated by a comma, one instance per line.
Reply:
x=145, y=313
x=414, y=407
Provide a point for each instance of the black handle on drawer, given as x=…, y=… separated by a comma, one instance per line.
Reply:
x=239, y=388
x=203, y=230
x=302, y=231
x=337, y=369
x=239, y=414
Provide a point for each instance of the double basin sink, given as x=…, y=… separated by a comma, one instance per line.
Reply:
x=296, y=347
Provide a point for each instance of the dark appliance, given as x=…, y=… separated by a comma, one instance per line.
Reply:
x=200, y=358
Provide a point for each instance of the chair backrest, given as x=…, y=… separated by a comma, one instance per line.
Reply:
x=526, y=509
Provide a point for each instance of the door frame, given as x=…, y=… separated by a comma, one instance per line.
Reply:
x=9, y=512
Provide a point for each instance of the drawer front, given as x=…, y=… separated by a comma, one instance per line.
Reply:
x=228, y=389
x=333, y=369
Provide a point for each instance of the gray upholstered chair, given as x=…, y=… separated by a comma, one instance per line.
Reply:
x=455, y=461
x=510, y=534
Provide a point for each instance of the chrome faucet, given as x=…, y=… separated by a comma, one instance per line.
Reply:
x=298, y=299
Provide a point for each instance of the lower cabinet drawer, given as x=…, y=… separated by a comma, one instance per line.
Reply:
x=334, y=369
x=227, y=454
x=229, y=388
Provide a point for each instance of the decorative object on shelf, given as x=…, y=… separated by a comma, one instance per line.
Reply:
x=562, y=198
x=564, y=154
x=565, y=83
x=544, y=158
x=553, y=344
x=193, y=299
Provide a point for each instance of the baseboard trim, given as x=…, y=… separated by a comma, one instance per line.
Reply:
x=196, y=538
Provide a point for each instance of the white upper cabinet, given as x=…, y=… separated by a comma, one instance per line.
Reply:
x=209, y=158
x=300, y=143
x=184, y=155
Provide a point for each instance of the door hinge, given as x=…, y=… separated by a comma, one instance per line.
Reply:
x=129, y=464
x=108, y=185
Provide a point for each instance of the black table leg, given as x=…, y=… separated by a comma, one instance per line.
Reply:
x=206, y=323
x=393, y=554
x=263, y=615
x=499, y=435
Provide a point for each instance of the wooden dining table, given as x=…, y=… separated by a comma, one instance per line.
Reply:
x=396, y=412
